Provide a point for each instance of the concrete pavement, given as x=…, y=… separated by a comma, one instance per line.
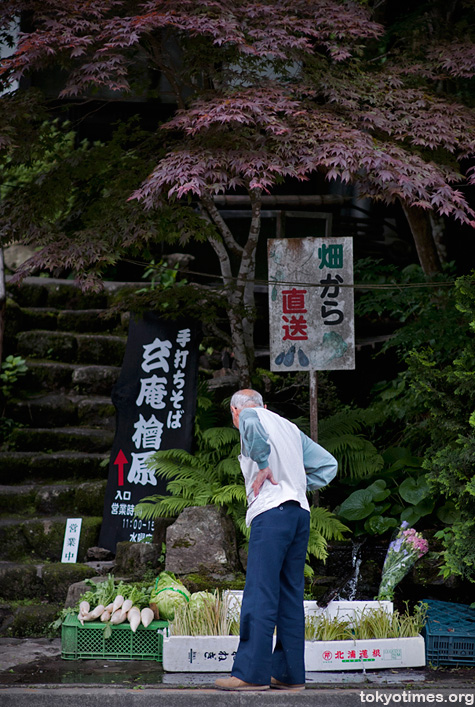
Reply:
x=32, y=674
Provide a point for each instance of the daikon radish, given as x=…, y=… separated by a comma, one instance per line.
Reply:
x=110, y=607
x=84, y=607
x=134, y=619
x=118, y=601
x=96, y=613
x=105, y=616
x=86, y=617
x=147, y=616
x=118, y=617
x=127, y=605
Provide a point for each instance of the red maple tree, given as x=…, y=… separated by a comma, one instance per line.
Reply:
x=265, y=91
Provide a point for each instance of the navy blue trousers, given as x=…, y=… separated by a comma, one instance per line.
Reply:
x=273, y=598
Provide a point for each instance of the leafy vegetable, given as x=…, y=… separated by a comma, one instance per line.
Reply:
x=168, y=594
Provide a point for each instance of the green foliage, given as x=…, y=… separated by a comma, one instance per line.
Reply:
x=422, y=310
x=381, y=624
x=429, y=329
x=398, y=492
x=377, y=623
x=451, y=473
x=342, y=434
x=324, y=526
x=448, y=394
x=11, y=371
x=160, y=275
x=211, y=616
x=81, y=219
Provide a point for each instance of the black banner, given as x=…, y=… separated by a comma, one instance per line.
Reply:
x=155, y=400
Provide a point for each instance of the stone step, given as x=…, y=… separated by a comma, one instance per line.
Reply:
x=72, y=348
x=76, y=499
x=52, y=375
x=80, y=321
x=52, y=292
x=79, y=439
x=65, y=294
x=60, y=410
x=41, y=580
x=27, y=466
x=42, y=538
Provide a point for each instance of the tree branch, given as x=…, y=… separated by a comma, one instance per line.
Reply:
x=221, y=224
x=420, y=226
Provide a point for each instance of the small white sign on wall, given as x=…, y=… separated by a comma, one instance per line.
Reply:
x=72, y=534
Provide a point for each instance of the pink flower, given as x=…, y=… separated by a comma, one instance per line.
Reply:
x=406, y=548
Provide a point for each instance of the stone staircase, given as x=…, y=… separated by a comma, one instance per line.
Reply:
x=54, y=463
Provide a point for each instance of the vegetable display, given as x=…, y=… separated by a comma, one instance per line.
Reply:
x=113, y=604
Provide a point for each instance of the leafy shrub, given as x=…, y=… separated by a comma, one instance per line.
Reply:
x=400, y=492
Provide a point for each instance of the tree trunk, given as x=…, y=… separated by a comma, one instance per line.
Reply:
x=419, y=222
x=241, y=310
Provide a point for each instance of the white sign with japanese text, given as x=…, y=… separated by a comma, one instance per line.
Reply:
x=72, y=534
x=311, y=304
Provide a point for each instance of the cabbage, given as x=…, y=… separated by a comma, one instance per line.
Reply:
x=198, y=601
x=168, y=594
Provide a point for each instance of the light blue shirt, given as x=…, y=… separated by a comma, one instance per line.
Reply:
x=320, y=465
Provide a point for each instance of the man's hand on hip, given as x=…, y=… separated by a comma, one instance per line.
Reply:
x=263, y=475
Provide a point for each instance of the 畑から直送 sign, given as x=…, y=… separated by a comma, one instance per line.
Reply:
x=311, y=304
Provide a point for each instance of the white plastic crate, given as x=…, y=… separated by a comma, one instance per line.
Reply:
x=213, y=654
x=199, y=654
x=368, y=654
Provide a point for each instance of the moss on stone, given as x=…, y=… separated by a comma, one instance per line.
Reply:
x=206, y=582
x=183, y=543
x=20, y=582
x=17, y=503
x=33, y=621
x=58, y=577
x=89, y=498
x=135, y=559
x=13, y=545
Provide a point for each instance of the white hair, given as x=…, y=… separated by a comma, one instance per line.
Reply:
x=247, y=399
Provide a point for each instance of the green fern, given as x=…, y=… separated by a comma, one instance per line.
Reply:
x=357, y=457
x=324, y=526
x=342, y=435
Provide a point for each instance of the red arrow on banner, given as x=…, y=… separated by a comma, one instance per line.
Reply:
x=120, y=460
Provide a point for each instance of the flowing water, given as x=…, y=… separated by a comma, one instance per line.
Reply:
x=348, y=590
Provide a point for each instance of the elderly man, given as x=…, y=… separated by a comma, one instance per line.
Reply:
x=279, y=464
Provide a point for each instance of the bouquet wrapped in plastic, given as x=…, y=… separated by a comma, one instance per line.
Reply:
x=403, y=552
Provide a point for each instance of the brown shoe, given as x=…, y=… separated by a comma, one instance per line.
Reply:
x=234, y=683
x=277, y=685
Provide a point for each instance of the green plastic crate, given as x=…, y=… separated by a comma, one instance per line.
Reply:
x=449, y=633
x=78, y=642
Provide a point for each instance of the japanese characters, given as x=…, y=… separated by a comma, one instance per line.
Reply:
x=311, y=304
x=155, y=398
